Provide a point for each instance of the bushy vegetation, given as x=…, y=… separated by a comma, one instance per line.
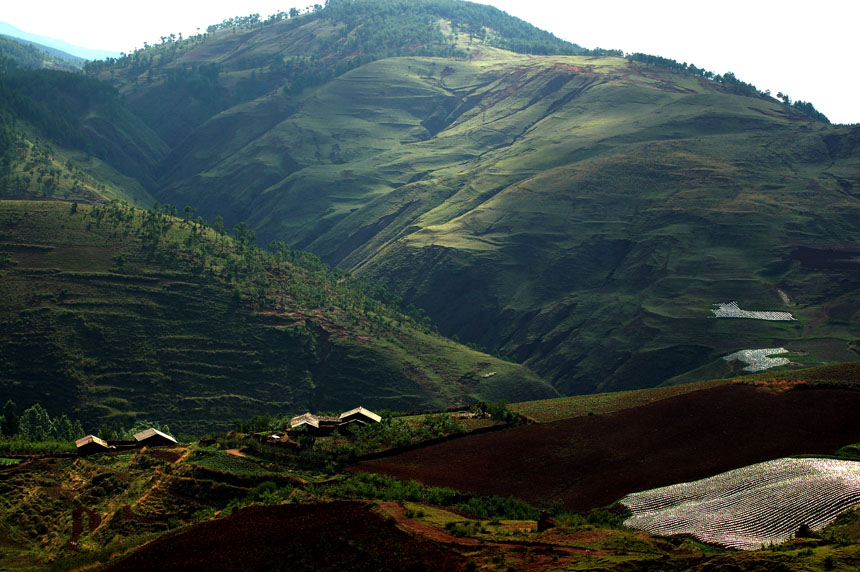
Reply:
x=390, y=489
x=35, y=425
x=395, y=432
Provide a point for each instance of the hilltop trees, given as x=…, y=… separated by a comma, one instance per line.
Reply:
x=728, y=79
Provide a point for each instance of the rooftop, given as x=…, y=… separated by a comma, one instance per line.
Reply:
x=148, y=433
x=91, y=439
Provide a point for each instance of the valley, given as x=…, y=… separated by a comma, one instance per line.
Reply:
x=604, y=306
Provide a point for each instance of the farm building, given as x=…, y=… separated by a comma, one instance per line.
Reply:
x=360, y=414
x=315, y=424
x=324, y=425
x=305, y=421
x=91, y=444
x=154, y=438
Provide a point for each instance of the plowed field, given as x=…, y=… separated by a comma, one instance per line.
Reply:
x=330, y=536
x=589, y=462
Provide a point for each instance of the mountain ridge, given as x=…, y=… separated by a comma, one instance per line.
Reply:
x=57, y=44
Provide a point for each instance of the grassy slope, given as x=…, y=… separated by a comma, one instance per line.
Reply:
x=579, y=213
x=94, y=320
x=583, y=225
x=68, y=137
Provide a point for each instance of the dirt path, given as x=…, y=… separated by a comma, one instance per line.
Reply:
x=235, y=452
x=94, y=519
x=158, y=478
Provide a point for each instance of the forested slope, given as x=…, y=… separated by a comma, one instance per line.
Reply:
x=111, y=314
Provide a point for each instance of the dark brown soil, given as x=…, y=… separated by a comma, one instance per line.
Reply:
x=331, y=536
x=589, y=462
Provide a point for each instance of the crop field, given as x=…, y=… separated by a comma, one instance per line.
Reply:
x=753, y=506
x=228, y=464
x=592, y=461
x=548, y=410
x=327, y=536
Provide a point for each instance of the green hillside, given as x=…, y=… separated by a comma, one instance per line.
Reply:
x=113, y=314
x=578, y=212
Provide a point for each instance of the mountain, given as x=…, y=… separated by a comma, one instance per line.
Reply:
x=30, y=55
x=579, y=212
x=56, y=44
x=113, y=313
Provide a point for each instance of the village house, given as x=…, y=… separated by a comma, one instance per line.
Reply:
x=91, y=444
x=324, y=425
x=154, y=438
x=360, y=414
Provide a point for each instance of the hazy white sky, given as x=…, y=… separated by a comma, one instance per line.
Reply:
x=806, y=49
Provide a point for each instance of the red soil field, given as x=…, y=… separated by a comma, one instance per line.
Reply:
x=329, y=536
x=590, y=462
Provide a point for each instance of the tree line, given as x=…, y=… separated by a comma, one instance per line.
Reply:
x=728, y=80
x=35, y=424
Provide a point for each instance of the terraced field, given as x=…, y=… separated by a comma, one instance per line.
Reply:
x=753, y=506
